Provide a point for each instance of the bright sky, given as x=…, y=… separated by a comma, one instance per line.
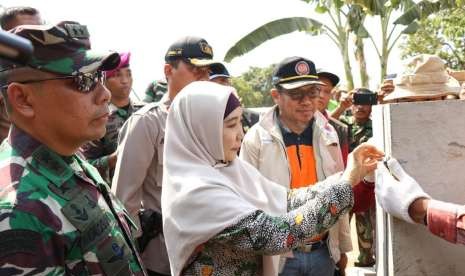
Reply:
x=147, y=28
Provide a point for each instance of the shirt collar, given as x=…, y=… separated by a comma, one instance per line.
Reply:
x=58, y=169
x=286, y=130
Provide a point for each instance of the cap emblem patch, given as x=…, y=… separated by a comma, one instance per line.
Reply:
x=207, y=49
x=302, y=68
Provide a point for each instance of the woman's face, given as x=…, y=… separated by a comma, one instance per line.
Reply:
x=232, y=134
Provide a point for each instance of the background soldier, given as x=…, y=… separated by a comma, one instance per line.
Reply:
x=360, y=130
x=155, y=91
x=359, y=123
x=57, y=215
x=102, y=153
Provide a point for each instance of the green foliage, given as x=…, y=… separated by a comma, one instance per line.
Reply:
x=254, y=86
x=442, y=34
x=373, y=7
x=356, y=19
x=422, y=9
x=271, y=30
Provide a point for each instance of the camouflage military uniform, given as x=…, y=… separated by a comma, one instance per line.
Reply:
x=155, y=91
x=98, y=151
x=357, y=133
x=365, y=221
x=56, y=215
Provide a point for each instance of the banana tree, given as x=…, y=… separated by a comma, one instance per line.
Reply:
x=392, y=29
x=356, y=18
x=338, y=31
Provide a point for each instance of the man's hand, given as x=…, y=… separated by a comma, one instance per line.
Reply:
x=387, y=87
x=346, y=102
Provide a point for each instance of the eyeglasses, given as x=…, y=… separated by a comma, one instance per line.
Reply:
x=84, y=82
x=300, y=93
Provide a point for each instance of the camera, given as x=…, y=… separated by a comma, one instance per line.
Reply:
x=363, y=96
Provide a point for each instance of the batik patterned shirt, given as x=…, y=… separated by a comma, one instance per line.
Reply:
x=238, y=249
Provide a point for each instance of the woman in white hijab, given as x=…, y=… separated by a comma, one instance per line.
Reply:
x=220, y=215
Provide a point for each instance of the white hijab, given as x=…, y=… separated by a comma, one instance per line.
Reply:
x=202, y=196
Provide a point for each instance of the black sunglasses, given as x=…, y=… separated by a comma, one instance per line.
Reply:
x=84, y=82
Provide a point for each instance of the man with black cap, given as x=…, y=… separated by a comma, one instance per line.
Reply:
x=294, y=145
x=219, y=74
x=331, y=80
x=57, y=215
x=139, y=169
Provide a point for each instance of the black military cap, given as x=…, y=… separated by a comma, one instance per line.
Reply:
x=295, y=72
x=334, y=79
x=193, y=49
x=218, y=70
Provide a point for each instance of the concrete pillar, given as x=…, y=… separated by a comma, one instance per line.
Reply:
x=428, y=139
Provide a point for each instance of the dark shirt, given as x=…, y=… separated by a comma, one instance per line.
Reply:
x=299, y=148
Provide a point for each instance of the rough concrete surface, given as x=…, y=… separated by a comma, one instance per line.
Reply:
x=428, y=139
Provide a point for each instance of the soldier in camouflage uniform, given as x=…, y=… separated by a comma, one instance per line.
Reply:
x=155, y=91
x=101, y=153
x=57, y=215
x=360, y=130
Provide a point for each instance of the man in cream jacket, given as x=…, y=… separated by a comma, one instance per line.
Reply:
x=295, y=146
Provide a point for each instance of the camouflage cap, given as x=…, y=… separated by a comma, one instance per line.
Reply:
x=63, y=49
